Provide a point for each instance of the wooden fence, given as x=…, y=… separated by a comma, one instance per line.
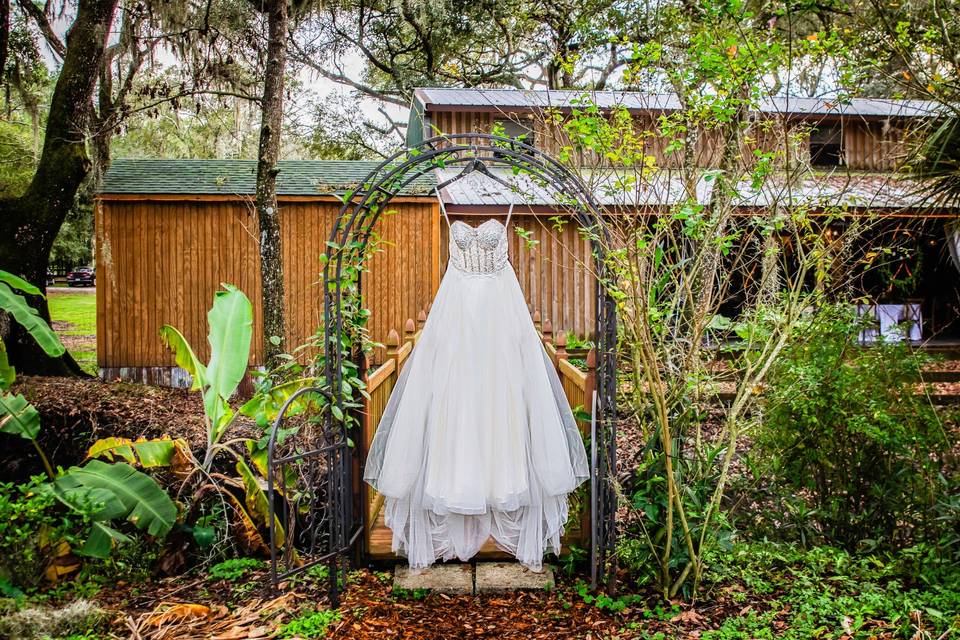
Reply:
x=577, y=383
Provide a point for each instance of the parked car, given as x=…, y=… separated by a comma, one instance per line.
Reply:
x=82, y=277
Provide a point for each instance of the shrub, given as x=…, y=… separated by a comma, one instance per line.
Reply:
x=32, y=525
x=846, y=429
x=827, y=592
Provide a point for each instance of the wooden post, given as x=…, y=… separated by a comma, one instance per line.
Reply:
x=561, y=344
x=536, y=321
x=547, y=331
x=591, y=383
x=393, y=343
x=421, y=318
x=409, y=330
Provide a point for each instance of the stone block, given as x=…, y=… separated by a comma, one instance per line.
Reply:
x=441, y=578
x=511, y=576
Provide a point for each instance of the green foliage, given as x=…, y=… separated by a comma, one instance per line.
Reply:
x=32, y=522
x=74, y=244
x=16, y=305
x=109, y=492
x=605, y=602
x=826, y=592
x=234, y=569
x=312, y=624
x=231, y=325
x=847, y=430
x=409, y=594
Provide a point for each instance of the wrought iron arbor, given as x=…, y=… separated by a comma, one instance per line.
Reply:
x=315, y=477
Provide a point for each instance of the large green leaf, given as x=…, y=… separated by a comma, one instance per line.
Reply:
x=231, y=331
x=265, y=406
x=16, y=305
x=100, y=542
x=185, y=357
x=158, y=452
x=18, y=283
x=18, y=417
x=7, y=373
x=258, y=507
x=145, y=504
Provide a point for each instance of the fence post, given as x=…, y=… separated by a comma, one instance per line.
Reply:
x=393, y=343
x=561, y=344
x=591, y=383
x=547, y=331
x=421, y=318
x=409, y=330
x=536, y=322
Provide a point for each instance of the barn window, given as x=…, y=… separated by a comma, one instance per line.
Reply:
x=826, y=145
x=521, y=130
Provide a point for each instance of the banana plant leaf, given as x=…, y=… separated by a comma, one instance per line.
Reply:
x=255, y=499
x=101, y=541
x=7, y=372
x=143, y=502
x=18, y=417
x=16, y=305
x=158, y=452
x=18, y=283
x=265, y=406
x=185, y=357
x=231, y=331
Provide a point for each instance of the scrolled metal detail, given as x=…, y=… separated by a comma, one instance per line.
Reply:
x=327, y=470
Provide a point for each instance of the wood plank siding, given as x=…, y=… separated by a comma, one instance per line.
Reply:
x=868, y=144
x=159, y=261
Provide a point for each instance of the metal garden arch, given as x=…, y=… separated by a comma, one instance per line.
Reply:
x=317, y=479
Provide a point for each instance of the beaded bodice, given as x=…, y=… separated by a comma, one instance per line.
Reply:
x=478, y=250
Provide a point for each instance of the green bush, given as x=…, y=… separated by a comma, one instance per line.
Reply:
x=846, y=432
x=32, y=523
x=826, y=592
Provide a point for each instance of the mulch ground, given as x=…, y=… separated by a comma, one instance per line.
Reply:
x=75, y=412
x=187, y=609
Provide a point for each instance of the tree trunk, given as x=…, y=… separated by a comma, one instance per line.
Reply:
x=268, y=216
x=29, y=224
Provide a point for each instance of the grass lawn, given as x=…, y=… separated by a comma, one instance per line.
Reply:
x=74, y=316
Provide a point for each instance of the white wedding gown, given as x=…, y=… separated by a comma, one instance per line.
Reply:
x=477, y=439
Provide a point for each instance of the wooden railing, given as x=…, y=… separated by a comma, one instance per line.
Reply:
x=578, y=385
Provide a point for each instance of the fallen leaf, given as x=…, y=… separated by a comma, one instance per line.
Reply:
x=177, y=612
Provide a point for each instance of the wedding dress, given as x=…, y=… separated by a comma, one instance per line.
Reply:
x=477, y=439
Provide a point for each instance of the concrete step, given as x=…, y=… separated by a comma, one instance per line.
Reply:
x=465, y=579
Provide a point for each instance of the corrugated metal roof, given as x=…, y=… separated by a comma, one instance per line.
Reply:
x=238, y=177
x=665, y=188
x=637, y=101
x=611, y=188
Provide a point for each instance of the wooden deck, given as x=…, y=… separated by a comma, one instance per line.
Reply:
x=379, y=539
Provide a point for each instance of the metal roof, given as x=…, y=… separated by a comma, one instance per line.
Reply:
x=508, y=99
x=238, y=177
x=610, y=187
x=665, y=188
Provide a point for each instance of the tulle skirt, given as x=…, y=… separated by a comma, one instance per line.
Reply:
x=477, y=439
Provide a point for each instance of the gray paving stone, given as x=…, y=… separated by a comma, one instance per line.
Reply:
x=441, y=578
x=510, y=576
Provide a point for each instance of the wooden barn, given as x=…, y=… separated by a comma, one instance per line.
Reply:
x=168, y=232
